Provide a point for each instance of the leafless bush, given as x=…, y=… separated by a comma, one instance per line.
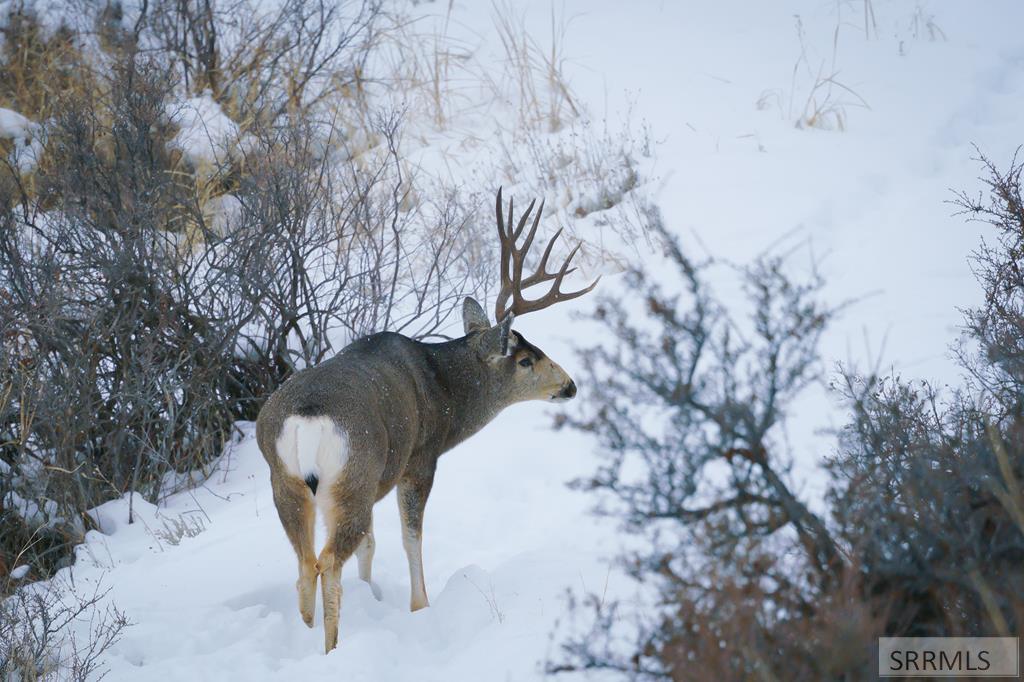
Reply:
x=996, y=366
x=719, y=397
x=690, y=424
x=258, y=61
x=323, y=253
x=925, y=531
x=926, y=494
x=51, y=632
x=928, y=484
x=136, y=330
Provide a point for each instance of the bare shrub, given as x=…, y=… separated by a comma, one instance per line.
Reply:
x=695, y=461
x=258, y=61
x=928, y=483
x=51, y=632
x=925, y=494
x=925, y=527
x=996, y=363
x=321, y=254
x=137, y=329
x=115, y=380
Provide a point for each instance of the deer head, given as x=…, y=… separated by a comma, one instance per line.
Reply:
x=532, y=374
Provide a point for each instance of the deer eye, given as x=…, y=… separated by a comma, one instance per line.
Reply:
x=526, y=362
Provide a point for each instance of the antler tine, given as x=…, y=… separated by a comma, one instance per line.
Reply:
x=564, y=270
x=542, y=274
x=576, y=294
x=501, y=222
x=522, y=223
x=511, y=205
x=533, y=228
x=507, y=249
x=512, y=258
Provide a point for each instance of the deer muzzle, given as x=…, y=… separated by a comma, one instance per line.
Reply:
x=568, y=392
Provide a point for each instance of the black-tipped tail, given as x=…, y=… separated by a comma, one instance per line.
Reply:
x=312, y=481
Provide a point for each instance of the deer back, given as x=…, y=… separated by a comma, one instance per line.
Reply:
x=393, y=399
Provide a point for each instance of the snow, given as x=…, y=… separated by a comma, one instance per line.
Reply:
x=19, y=572
x=206, y=135
x=208, y=576
x=25, y=136
x=13, y=125
x=498, y=556
x=223, y=213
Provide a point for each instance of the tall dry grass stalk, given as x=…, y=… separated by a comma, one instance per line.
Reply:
x=542, y=94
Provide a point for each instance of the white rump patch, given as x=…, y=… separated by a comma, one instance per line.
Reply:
x=313, y=446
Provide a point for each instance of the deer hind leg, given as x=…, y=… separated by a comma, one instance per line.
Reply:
x=297, y=510
x=412, y=500
x=349, y=521
x=364, y=554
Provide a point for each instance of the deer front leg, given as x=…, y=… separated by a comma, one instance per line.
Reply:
x=297, y=512
x=412, y=499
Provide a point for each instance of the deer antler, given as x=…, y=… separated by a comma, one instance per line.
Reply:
x=512, y=259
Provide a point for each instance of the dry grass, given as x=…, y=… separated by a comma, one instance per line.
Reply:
x=41, y=72
x=429, y=70
x=443, y=80
x=828, y=98
x=1010, y=492
x=539, y=89
x=923, y=25
x=174, y=529
x=37, y=66
x=591, y=178
x=490, y=598
x=550, y=148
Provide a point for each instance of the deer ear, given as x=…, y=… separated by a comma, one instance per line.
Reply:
x=474, y=319
x=495, y=342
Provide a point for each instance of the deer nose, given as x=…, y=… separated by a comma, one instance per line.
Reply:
x=570, y=390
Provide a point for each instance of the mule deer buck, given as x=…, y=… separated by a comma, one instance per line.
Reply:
x=339, y=436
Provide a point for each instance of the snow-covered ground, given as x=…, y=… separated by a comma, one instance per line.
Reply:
x=502, y=542
x=721, y=85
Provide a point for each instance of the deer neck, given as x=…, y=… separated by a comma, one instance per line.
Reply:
x=472, y=392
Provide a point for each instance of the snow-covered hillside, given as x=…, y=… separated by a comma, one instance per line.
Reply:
x=722, y=87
